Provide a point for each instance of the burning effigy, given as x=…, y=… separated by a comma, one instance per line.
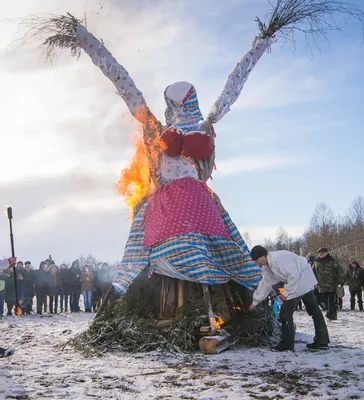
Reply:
x=186, y=276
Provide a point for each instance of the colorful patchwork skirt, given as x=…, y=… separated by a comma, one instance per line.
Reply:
x=193, y=257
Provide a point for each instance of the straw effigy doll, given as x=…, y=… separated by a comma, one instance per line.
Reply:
x=182, y=230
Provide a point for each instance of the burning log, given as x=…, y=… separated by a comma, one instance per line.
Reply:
x=214, y=344
x=165, y=323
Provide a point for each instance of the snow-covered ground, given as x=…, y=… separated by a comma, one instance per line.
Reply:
x=40, y=370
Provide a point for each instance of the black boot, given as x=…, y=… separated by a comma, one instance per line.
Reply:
x=7, y=352
x=281, y=347
x=316, y=346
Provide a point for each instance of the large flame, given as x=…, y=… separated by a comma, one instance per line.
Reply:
x=136, y=181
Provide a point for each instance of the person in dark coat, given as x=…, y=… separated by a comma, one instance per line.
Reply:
x=65, y=287
x=29, y=282
x=352, y=277
x=21, y=283
x=74, y=286
x=104, y=278
x=320, y=298
x=54, y=288
x=97, y=294
x=10, y=296
x=3, y=279
x=41, y=286
x=361, y=277
x=329, y=275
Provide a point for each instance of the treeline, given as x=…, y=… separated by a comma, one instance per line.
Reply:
x=343, y=235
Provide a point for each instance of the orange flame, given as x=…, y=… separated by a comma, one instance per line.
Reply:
x=136, y=180
x=280, y=290
x=237, y=308
x=219, y=322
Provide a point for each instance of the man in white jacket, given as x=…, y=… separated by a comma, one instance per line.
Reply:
x=299, y=282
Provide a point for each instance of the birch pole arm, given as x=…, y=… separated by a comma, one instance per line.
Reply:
x=237, y=79
x=114, y=71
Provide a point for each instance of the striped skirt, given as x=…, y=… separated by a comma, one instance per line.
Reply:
x=193, y=257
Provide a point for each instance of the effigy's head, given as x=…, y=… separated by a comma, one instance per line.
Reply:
x=182, y=110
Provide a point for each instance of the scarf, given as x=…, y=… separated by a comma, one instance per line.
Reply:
x=183, y=111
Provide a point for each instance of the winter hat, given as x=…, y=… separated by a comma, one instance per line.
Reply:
x=323, y=250
x=257, y=252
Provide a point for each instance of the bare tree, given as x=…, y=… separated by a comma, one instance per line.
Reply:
x=247, y=239
x=356, y=212
x=323, y=221
x=283, y=241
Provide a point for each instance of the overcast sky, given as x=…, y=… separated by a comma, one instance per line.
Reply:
x=293, y=139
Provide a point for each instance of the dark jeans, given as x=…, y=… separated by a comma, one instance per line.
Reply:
x=51, y=300
x=359, y=295
x=331, y=307
x=2, y=302
x=63, y=301
x=312, y=309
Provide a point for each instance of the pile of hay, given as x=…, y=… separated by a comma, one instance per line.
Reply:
x=128, y=325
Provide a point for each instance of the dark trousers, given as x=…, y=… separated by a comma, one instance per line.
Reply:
x=74, y=301
x=41, y=295
x=45, y=301
x=312, y=309
x=63, y=301
x=53, y=299
x=331, y=306
x=10, y=304
x=299, y=306
x=339, y=302
x=359, y=295
x=2, y=302
x=28, y=304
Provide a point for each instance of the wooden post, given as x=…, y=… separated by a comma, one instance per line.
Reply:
x=180, y=294
x=105, y=302
x=228, y=295
x=207, y=297
x=162, y=299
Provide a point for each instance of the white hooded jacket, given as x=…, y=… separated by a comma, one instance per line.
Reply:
x=285, y=266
